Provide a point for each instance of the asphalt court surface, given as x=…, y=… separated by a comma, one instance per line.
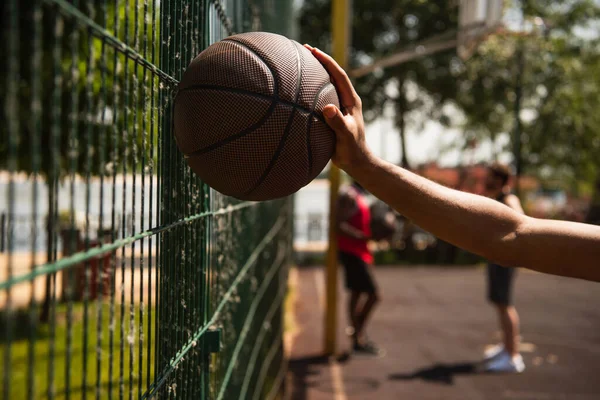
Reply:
x=435, y=323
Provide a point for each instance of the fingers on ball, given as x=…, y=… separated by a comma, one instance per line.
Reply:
x=340, y=79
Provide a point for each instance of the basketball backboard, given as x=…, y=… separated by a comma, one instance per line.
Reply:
x=476, y=20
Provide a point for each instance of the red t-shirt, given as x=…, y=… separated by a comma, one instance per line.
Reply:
x=361, y=220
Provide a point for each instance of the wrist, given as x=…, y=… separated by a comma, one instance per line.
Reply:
x=361, y=165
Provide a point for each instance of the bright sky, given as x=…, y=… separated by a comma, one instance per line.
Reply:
x=433, y=143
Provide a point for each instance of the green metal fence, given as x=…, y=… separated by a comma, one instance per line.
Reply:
x=121, y=274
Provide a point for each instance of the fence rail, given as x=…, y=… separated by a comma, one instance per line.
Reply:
x=122, y=275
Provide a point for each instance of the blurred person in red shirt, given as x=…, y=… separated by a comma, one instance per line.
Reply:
x=354, y=233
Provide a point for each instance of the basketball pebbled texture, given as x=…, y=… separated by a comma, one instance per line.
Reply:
x=248, y=116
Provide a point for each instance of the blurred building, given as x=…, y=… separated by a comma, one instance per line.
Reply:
x=468, y=178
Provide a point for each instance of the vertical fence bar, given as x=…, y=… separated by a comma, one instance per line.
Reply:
x=144, y=133
x=102, y=140
x=154, y=171
x=73, y=142
x=157, y=20
x=88, y=113
x=185, y=234
x=196, y=278
x=164, y=316
x=133, y=133
x=189, y=209
x=11, y=109
x=207, y=205
x=36, y=108
x=181, y=264
x=124, y=171
x=114, y=166
x=49, y=311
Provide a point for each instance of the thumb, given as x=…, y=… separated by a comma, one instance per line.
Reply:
x=334, y=117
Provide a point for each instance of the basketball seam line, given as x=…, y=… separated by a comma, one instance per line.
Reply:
x=239, y=135
x=275, y=157
x=299, y=68
x=255, y=94
x=309, y=122
x=274, y=75
x=288, y=127
x=274, y=101
x=309, y=125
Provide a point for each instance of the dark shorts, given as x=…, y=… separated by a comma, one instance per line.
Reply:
x=359, y=277
x=500, y=284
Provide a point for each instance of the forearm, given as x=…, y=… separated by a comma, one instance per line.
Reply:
x=475, y=223
x=560, y=248
x=484, y=226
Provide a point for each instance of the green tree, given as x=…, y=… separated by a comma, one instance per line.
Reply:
x=559, y=77
x=384, y=28
x=78, y=108
x=559, y=82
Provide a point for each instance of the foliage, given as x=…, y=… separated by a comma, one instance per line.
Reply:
x=75, y=99
x=384, y=28
x=559, y=83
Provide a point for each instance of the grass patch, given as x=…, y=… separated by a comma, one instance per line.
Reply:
x=51, y=367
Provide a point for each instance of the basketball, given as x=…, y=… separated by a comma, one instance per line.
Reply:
x=248, y=116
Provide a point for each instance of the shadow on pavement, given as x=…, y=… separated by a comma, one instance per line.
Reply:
x=305, y=370
x=440, y=373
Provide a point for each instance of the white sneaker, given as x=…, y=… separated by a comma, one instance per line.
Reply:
x=505, y=363
x=493, y=352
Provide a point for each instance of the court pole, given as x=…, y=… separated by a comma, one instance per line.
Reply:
x=340, y=32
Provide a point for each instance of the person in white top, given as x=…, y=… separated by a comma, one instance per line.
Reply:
x=504, y=357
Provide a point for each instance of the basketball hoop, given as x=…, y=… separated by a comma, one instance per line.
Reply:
x=477, y=19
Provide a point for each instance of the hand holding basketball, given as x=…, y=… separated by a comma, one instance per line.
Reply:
x=348, y=124
x=248, y=116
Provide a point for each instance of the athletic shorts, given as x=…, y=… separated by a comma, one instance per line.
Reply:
x=500, y=284
x=359, y=277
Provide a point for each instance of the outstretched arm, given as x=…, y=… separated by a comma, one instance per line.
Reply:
x=475, y=223
x=482, y=225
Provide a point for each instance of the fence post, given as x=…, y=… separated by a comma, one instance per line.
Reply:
x=340, y=24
